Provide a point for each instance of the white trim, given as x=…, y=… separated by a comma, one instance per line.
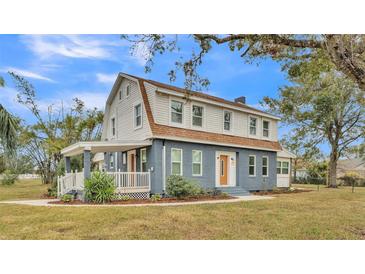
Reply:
x=181, y=161
x=141, y=162
x=203, y=116
x=134, y=115
x=268, y=130
x=232, y=168
x=262, y=166
x=231, y=121
x=201, y=163
x=182, y=124
x=255, y=166
x=249, y=125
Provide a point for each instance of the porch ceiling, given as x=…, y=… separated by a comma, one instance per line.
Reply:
x=103, y=146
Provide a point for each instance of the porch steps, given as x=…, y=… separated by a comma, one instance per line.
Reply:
x=234, y=191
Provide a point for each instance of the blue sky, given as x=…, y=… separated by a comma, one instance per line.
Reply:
x=62, y=67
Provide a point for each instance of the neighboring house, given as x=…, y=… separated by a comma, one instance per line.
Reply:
x=356, y=165
x=153, y=130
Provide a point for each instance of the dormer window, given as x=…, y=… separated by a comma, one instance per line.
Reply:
x=176, y=112
x=120, y=95
x=128, y=91
x=227, y=116
x=137, y=116
x=253, y=125
x=265, y=128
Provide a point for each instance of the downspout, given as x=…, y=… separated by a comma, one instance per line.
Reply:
x=163, y=166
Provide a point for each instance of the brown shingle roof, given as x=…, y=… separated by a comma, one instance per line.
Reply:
x=163, y=130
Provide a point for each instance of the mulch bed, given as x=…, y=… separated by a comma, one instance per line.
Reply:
x=148, y=201
x=284, y=191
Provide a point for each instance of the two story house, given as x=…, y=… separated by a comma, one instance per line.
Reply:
x=159, y=129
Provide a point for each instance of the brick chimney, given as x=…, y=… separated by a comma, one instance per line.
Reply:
x=241, y=100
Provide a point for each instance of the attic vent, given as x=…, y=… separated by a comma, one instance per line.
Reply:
x=241, y=100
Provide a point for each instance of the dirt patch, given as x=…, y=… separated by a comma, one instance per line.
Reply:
x=281, y=191
x=148, y=201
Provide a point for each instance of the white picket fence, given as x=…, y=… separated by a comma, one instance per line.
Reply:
x=126, y=182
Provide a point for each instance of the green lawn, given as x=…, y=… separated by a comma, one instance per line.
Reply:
x=23, y=189
x=327, y=214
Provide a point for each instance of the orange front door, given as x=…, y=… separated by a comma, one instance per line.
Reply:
x=133, y=168
x=223, y=163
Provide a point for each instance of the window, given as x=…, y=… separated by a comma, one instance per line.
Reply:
x=127, y=91
x=282, y=167
x=124, y=158
x=111, y=161
x=265, y=166
x=138, y=116
x=176, y=112
x=253, y=123
x=278, y=167
x=285, y=168
x=197, y=116
x=252, y=165
x=120, y=95
x=197, y=163
x=265, y=128
x=113, y=126
x=176, y=161
x=143, y=160
x=227, y=120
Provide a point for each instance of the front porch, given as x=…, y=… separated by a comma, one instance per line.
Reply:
x=136, y=184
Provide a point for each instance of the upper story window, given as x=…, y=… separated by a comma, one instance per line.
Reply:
x=120, y=95
x=113, y=126
x=128, y=91
x=282, y=167
x=252, y=165
x=227, y=120
x=176, y=161
x=197, y=116
x=265, y=166
x=143, y=160
x=265, y=128
x=138, y=116
x=176, y=112
x=253, y=125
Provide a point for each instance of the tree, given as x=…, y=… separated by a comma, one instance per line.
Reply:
x=325, y=109
x=58, y=128
x=8, y=127
x=345, y=52
x=305, y=151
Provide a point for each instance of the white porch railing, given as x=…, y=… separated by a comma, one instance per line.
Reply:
x=125, y=182
x=69, y=182
x=131, y=182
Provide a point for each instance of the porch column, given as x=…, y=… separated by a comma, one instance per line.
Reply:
x=68, y=164
x=87, y=164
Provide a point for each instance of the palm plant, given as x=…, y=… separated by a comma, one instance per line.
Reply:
x=8, y=126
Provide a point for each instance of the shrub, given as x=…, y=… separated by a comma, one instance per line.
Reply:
x=67, y=198
x=52, y=192
x=125, y=198
x=214, y=192
x=156, y=197
x=351, y=178
x=9, y=178
x=100, y=188
x=179, y=187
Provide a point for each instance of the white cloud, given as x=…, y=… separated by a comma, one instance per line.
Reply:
x=73, y=46
x=26, y=73
x=106, y=78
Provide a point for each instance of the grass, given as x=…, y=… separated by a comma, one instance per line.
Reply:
x=327, y=214
x=23, y=189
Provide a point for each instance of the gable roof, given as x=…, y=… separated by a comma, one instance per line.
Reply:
x=169, y=132
x=351, y=164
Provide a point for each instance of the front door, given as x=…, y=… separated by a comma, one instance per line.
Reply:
x=131, y=165
x=223, y=162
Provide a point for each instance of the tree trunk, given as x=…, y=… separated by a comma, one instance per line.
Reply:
x=333, y=169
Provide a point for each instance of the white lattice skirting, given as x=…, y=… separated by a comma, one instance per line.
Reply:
x=135, y=195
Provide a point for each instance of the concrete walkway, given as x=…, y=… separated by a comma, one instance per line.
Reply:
x=44, y=202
